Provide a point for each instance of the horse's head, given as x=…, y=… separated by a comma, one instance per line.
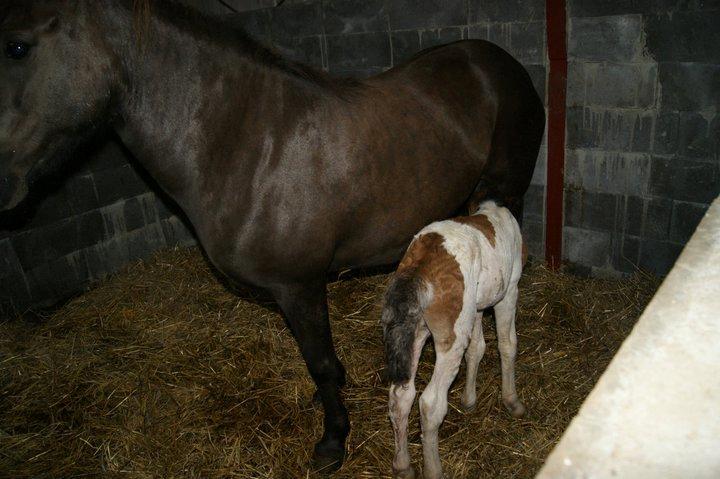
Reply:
x=55, y=88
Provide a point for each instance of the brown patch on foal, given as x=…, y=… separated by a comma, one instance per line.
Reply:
x=434, y=264
x=480, y=223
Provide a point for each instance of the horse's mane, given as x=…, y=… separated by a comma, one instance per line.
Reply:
x=222, y=31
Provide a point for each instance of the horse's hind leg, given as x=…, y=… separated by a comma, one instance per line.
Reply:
x=507, y=343
x=305, y=307
x=433, y=404
x=473, y=355
x=400, y=404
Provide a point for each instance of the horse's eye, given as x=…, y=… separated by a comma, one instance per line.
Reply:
x=16, y=50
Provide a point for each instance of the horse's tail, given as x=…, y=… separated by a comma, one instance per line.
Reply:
x=405, y=301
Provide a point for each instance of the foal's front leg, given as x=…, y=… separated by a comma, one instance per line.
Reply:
x=305, y=307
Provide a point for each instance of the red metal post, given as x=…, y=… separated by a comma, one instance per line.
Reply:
x=555, y=16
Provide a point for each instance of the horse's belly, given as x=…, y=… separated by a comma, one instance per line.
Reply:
x=382, y=237
x=492, y=287
x=352, y=258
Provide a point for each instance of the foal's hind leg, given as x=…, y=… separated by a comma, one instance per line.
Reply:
x=305, y=307
x=434, y=403
x=507, y=343
x=400, y=404
x=473, y=355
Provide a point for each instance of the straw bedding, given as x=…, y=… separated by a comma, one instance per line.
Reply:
x=161, y=372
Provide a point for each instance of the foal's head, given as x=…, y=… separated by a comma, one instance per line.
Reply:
x=55, y=87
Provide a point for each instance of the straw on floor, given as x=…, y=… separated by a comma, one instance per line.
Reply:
x=161, y=372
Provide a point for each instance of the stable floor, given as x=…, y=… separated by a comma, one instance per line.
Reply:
x=159, y=371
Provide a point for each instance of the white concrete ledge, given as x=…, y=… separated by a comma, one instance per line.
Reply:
x=655, y=412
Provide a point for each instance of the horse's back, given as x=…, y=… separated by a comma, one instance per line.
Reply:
x=476, y=61
x=372, y=166
x=486, y=55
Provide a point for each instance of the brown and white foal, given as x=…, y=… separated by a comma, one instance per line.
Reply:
x=451, y=272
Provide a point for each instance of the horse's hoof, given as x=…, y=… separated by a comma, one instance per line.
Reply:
x=328, y=458
x=517, y=409
x=468, y=408
x=408, y=473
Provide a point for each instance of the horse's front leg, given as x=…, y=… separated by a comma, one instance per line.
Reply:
x=305, y=307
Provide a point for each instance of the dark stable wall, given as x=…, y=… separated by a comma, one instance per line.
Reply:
x=81, y=226
x=642, y=161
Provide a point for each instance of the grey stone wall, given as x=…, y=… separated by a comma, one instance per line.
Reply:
x=643, y=128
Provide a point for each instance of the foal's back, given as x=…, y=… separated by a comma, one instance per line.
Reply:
x=488, y=248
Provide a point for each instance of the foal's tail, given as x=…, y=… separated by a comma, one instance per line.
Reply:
x=405, y=301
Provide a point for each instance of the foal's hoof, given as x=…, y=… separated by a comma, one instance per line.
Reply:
x=516, y=408
x=408, y=473
x=328, y=457
x=468, y=408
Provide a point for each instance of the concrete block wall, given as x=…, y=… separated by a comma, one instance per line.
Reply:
x=95, y=220
x=643, y=130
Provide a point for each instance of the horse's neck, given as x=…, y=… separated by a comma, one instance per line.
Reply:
x=187, y=100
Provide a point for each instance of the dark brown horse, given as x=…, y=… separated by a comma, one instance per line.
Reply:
x=284, y=173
